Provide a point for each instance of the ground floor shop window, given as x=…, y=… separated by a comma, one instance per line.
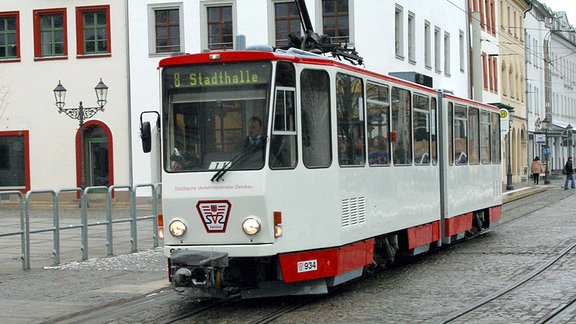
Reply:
x=14, y=161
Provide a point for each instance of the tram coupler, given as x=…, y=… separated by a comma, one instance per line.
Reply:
x=198, y=268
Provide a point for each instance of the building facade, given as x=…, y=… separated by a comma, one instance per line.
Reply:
x=404, y=37
x=514, y=53
x=77, y=43
x=551, y=72
x=560, y=70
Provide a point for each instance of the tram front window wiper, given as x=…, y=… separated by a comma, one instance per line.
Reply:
x=239, y=158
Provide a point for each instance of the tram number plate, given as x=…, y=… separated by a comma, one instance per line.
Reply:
x=309, y=265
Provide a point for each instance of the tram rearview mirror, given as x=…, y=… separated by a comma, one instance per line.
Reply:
x=146, y=136
x=146, y=133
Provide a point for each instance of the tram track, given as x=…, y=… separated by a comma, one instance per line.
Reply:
x=516, y=210
x=559, y=312
x=118, y=309
x=516, y=284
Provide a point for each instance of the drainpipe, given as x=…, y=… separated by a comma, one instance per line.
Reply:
x=476, y=58
x=129, y=94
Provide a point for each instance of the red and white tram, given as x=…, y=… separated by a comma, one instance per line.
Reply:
x=288, y=173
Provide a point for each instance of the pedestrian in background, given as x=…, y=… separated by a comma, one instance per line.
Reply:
x=569, y=172
x=535, y=169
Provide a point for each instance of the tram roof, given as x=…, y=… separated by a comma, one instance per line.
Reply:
x=296, y=56
x=293, y=55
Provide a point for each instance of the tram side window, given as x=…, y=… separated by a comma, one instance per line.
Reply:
x=495, y=139
x=350, y=110
x=401, y=127
x=485, y=137
x=421, y=123
x=460, y=135
x=283, y=152
x=316, y=132
x=450, y=133
x=474, y=136
x=378, y=119
x=433, y=131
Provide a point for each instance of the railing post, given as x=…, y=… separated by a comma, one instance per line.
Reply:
x=155, y=213
x=26, y=229
x=24, y=254
x=57, y=221
x=84, y=221
x=56, y=224
x=109, y=235
x=154, y=198
x=25, y=248
x=133, y=224
x=54, y=229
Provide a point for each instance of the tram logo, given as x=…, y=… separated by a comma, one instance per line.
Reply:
x=214, y=214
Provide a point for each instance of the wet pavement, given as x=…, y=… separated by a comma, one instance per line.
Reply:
x=47, y=291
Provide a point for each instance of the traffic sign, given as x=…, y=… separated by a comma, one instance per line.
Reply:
x=504, y=121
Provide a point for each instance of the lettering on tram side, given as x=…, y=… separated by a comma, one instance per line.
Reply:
x=214, y=187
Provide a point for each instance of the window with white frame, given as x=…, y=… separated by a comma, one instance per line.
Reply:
x=399, y=32
x=462, y=51
x=165, y=25
x=427, y=45
x=411, y=37
x=219, y=23
x=336, y=20
x=286, y=23
x=437, y=50
x=447, y=53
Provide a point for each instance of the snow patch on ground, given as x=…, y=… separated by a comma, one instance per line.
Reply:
x=150, y=260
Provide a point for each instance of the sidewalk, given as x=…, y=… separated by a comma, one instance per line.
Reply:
x=527, y=187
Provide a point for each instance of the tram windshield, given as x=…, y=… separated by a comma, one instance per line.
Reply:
x=215, y=116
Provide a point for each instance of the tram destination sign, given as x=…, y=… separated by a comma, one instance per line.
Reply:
x=216, y=75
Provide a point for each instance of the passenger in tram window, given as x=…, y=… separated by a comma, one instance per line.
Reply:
x=377, y=151
x=254, y=132
x=535, y=168
x=569, y=171
x=359, y=151
x=253, y=145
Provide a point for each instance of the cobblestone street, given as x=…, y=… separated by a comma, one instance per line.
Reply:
x=428, y=290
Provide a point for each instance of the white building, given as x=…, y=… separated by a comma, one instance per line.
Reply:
x=77, y=43
x=536, y=31
x=418, y=37
x=551, y=106
x=562, y=98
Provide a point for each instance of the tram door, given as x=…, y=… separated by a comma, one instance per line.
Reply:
x=96, y=157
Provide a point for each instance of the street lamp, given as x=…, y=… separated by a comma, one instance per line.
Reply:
x=546, y=125
x=509, y=155
x=81, y=113
x=569, y=130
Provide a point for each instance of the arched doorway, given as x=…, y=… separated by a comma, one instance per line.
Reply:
x=98, y=151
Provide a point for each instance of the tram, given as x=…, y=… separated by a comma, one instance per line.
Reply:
x=286, y=172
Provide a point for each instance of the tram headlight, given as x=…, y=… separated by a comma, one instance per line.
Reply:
x=251, y=225
x=177, y=228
